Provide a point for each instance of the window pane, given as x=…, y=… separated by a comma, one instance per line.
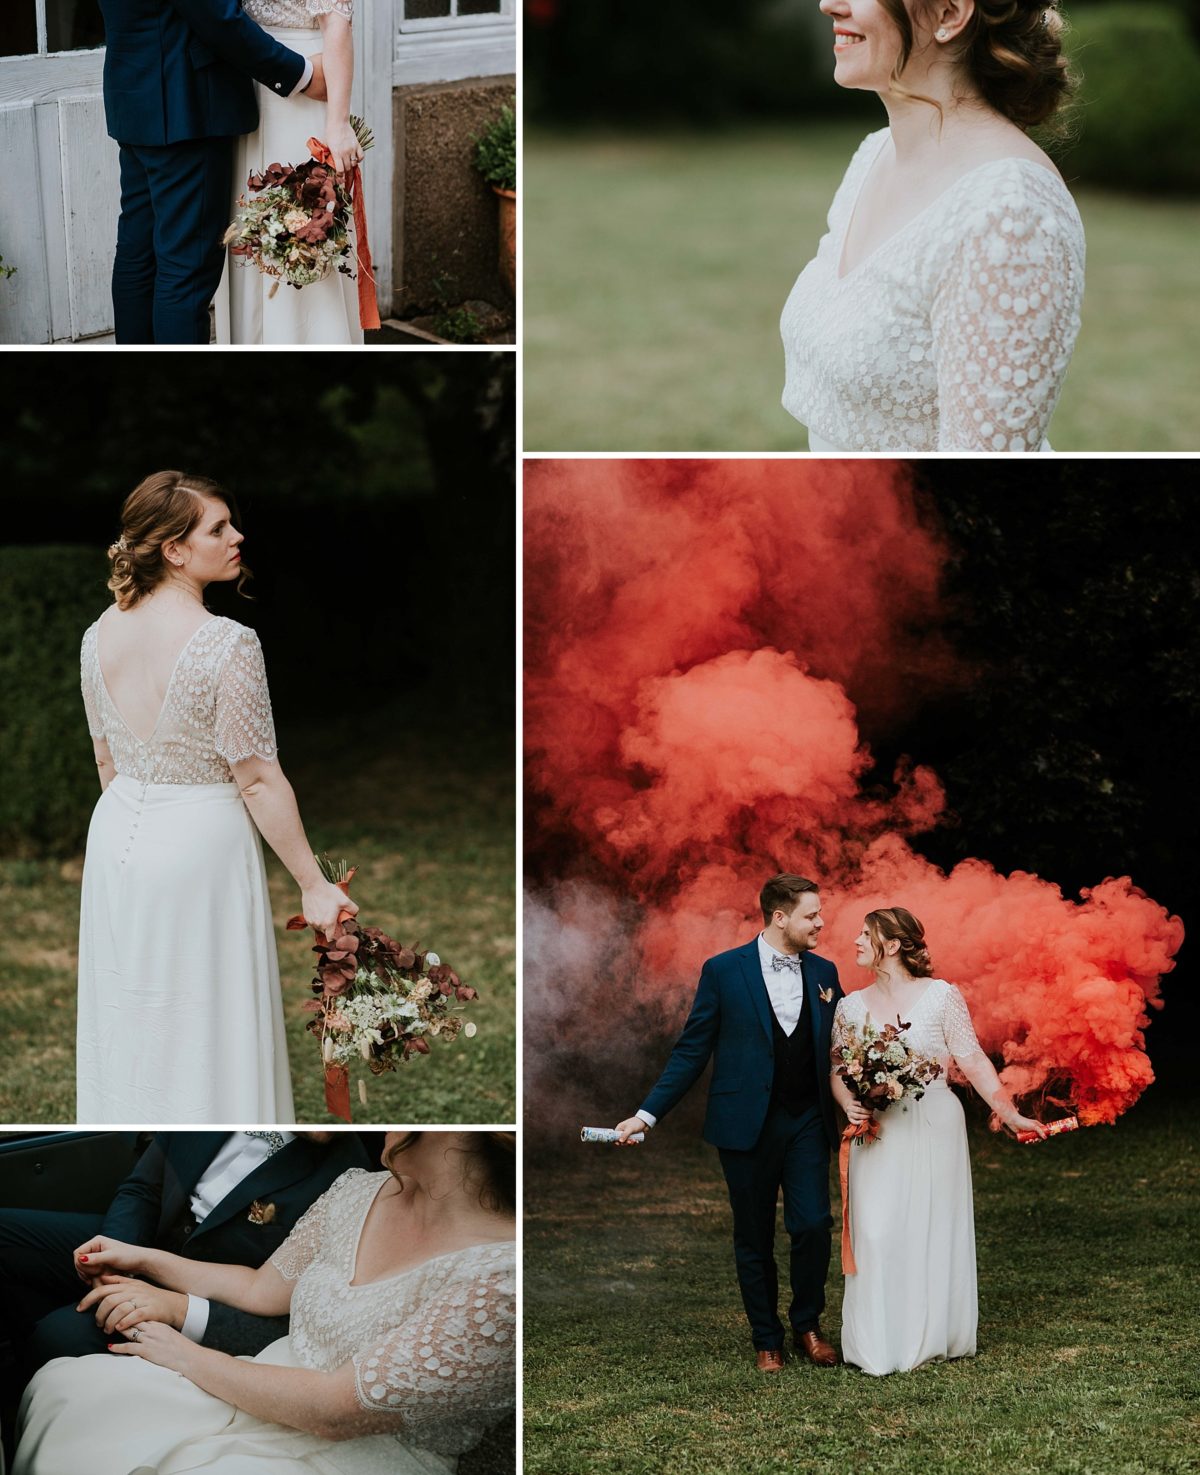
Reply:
x=18, y=28
x=73, y=25
x=479, y=7
x=425, y=9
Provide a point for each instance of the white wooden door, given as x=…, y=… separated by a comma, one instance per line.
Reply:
x=58, y=217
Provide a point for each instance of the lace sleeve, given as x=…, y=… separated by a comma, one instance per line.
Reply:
x=244, y=727
x=1006, y=312
x=449, y=1370
x=300, y=1249
x=328, y=7
x=837, y=1038
x=961, y=1039
x=89, y=677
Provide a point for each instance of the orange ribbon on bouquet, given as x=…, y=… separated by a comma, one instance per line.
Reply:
x=866, y=1131
x=337, y=1077
x=368, y=308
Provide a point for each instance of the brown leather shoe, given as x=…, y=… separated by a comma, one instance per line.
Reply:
x=814, y=1346
x=771, y=1361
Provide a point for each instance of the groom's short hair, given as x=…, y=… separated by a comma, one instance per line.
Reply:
x=781, y=893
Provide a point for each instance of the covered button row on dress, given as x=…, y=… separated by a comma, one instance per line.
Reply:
x=133, y=824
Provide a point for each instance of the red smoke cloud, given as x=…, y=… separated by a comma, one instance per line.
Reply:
x=701, y=638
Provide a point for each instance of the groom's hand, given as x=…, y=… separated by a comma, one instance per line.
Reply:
x=121, y=1303
x=628, y=1127
x=316, y=86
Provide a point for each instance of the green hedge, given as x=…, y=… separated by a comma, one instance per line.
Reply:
x=48, y=785
x=1136, y=121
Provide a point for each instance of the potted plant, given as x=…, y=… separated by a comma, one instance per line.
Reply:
x=496, y=160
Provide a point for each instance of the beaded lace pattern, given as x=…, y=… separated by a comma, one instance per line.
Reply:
x=955, y=334
x=295, y=14
x=939, y=1024
x=433, y=1347
x=216, y=711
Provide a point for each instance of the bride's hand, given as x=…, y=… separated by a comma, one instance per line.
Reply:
x=322, y=904
x=343, y=144
x=102, y=1256
x=857, y=1112
x=160, y=1344
x=1018, y=1123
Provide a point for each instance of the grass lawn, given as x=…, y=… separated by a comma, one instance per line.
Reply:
x=656, y=269
x=432, y=826
x=638, y=1359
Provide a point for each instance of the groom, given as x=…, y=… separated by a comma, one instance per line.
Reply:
x=178, y=89
x=764, y=1012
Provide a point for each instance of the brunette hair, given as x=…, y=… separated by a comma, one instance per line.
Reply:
x=491, y=1166
x=1010, y=49
x=163, y=508
x=891, y=924
x=781, y=893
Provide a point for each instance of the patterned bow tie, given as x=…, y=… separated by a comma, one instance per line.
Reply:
x=780, y=962
x=274, y=1140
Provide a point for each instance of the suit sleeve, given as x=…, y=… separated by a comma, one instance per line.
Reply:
x=692, y=1049
x=134, y=1212
x=239, y=1333
x=235, y=38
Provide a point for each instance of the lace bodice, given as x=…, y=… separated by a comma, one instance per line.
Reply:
x=956, y=333
x=216, y=711
x=295, y=14
x=939, y=1024
x=434, y=1345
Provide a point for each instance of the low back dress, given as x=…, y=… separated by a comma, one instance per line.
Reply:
x=180, y=1016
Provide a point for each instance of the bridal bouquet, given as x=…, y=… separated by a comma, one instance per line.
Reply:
x=378, y=1000
x=297, y=226
x=878, y=1067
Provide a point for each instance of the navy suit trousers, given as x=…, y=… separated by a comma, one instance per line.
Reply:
x=175, y=207
x=792, y=1154
x=39, y=1285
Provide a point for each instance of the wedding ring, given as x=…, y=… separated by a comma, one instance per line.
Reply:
x=135, y=1335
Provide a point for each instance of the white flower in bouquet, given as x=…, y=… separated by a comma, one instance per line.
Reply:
x=432, y=960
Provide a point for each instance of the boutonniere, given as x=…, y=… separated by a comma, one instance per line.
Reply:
x=826, y=995
x=261, y=1213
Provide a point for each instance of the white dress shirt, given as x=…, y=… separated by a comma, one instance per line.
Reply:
x=785, y=990
x=237, y=1157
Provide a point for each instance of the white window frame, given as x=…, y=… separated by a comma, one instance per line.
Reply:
x=43, y=39
x=451, y=48
x=454, y=21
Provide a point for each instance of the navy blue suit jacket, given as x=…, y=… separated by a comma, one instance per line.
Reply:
x=730, y=1020
x=182, y=69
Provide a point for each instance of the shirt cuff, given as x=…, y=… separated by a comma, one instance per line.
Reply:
x=305, y=77
x=648, y=1117
x=195, y=1323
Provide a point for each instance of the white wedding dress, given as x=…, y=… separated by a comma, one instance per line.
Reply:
x=180, y=1014
x=432, y=1350
x=955, y=334
x=246, y=312
x=912, y=1222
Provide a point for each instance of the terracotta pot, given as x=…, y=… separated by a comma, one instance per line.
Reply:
x=508, y=236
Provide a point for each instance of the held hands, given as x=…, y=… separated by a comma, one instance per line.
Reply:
x=121, y=1303
x=103, y=1256
x=628, y=1127
x=160, y=1344
x=322, y=903
x=316, y=85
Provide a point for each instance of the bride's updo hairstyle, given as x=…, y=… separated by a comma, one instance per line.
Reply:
x=491, y=1166
x=162, y=509
x=894, y=924
x=1010, y=49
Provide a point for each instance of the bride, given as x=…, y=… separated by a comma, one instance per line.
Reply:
x=400, y=1286
x=912, y=1226
x=941, y=309
x=327, y=311
x=180, y=1016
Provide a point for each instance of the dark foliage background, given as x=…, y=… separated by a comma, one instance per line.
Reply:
x=377, y=498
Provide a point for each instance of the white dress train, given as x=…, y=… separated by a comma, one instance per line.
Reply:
x=432, y=1350
x=246, y=310
x=912, y=1223
x=180, y=1011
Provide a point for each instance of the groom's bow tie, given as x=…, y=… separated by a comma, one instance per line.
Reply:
x=779, y=963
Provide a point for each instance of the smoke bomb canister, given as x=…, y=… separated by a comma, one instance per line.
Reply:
x=606, y=1134
x=1065, y=1124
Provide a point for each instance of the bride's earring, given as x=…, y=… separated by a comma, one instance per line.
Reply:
x=942, y=33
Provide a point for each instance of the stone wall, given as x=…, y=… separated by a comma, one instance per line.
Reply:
x=446, y=215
